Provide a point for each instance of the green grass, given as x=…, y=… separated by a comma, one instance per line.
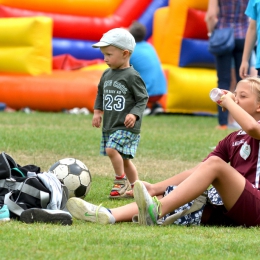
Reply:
x=169, y=144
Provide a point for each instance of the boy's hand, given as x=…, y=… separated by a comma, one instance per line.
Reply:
x=97, y=118
x=130, y=120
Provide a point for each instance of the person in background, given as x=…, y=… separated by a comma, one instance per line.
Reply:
x=121, y=100
x=145, y=60
x=224, y=14
x=252, y=11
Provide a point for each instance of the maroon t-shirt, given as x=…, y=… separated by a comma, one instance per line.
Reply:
x=242, y=152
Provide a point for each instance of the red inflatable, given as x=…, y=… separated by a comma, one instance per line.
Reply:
x=85, y=28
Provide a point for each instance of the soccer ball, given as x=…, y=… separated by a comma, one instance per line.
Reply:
x=74, y=174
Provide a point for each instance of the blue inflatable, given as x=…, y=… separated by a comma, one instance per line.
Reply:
x=147, y=17
x=189, y=54
x=77, y=48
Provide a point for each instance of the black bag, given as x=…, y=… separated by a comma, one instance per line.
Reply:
x=20, y=191
x=221, y=41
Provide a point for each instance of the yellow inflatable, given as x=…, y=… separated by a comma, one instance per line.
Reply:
x=25, y=45
x=167, y=42
x=188, y=88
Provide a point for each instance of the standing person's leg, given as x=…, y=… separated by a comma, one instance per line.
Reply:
x=130, y=170
x=121, y=183
x=116, y=160
x=237, y=59
x=227, y=181
x=238, y=53
x=116, y=149
x=223, y=67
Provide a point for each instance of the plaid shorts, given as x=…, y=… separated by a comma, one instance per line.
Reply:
x=124, y=142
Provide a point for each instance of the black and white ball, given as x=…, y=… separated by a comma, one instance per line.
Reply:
x=74, y=174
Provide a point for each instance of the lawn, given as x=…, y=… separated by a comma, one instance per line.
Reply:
x=169, y=144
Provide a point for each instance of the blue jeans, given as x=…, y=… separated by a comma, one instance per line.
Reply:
x=223, y=67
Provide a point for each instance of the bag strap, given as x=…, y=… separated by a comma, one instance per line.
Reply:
x=44, y=197
x=10, y=184
x=198, y=204
x=12, y=206
x=5, y=169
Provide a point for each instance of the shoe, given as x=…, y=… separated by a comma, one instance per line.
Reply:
x=80, y=209
x=84, y=111
x=222, y=127
x=135, y=218
x=4, y=213
x=147, y=112
x=46, y=216
x=120, y=188
x=148, y=207
x=157, y=109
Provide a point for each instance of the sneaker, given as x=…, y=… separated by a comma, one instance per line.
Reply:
x=80, y=209
x=148, y=206
x=157, y=109
x=46, y=216
x=222, y=127
x=135, y=218
x=4, y=213
x=147, y=112
x=120, y=188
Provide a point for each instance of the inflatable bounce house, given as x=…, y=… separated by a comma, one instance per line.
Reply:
x=48, y=64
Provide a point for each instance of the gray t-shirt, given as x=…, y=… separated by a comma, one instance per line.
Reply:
x=121, y=92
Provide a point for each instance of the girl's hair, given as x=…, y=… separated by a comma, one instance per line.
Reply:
x=254, y=83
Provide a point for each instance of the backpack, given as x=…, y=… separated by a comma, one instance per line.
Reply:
x=21, y=188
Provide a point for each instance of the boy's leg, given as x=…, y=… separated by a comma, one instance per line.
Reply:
x=130, y=171
x=121, y=147
x=121, y=184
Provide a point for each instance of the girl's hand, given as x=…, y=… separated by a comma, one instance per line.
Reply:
x=224, y=99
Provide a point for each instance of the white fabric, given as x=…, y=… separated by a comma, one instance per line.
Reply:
x=54, y=186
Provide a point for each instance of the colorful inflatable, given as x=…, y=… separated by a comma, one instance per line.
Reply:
x=181, y=46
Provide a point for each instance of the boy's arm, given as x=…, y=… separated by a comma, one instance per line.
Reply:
x=98, y=107
x=141, y=97
x=97, y=118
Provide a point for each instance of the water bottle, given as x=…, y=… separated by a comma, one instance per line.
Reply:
x=215, y=94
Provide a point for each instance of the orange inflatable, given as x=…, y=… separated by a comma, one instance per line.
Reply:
x=55, y=92
x=100, y=8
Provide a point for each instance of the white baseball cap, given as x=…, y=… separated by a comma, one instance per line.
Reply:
x=118, y=37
